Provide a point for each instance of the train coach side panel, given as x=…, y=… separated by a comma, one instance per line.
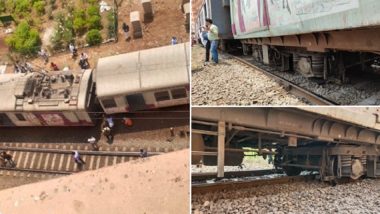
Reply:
x=305, y=16
x=248, y=16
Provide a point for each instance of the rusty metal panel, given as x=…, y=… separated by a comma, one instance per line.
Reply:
x=288, y=17
x=362, y=116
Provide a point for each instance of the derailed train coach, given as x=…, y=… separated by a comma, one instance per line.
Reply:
x=316, y=38
x=336, y=142
x=147, y=79
x=135, y=81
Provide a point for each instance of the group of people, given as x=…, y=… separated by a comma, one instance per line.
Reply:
x=210, y=40
x=83, y=61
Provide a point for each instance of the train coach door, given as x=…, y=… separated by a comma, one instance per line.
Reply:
x=136, y=102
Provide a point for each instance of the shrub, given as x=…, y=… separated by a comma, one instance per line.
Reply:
x=93, y=10
x=94, y=22
x=56, y=40
x=25, y=40
x=2, y=7
x=39, y=6
x=10, y=6
x=79, y=25
x=23, y=6
x=93, y=37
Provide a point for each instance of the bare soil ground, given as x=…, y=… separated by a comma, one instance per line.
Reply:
x=133, y=187
x=168, y=21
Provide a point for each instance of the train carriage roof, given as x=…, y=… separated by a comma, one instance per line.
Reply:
x=143, y=70
x=24, y=92
x=7, y=90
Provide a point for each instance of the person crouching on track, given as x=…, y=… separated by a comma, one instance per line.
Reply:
x=213, y=37
x=92, y=141
x=143, y=153
x=77, y=158
x=7, y=159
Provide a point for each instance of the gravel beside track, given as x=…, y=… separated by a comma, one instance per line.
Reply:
x=309, y=197
x=233, y=83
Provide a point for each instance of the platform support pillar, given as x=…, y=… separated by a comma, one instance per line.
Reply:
x=221, y=148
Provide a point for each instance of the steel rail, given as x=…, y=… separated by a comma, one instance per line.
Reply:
x=220, y=186
x=82, y=152
x=236, y=174
x=37, y=171
x=294, y=89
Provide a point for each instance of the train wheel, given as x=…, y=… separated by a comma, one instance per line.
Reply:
x=292, y=171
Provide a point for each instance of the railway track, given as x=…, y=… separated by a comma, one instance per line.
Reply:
x=37, y=159
x=232, y=185
x=294, y=89
x=235, y=174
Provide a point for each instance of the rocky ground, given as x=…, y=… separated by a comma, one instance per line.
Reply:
x=232, y=83
x=361, y=88
x=311, y=197
x=256, y=163
x=347, y=94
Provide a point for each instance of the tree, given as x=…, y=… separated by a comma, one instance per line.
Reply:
x=93, y=37
x=25, y=39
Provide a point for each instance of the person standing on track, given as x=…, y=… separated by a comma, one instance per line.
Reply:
x=77, y=158
x=214, y=39
x=92, y=141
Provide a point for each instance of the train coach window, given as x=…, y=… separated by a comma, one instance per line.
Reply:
x=20, y=117
x=109, y=103
x=178, y=93
x=161, y=96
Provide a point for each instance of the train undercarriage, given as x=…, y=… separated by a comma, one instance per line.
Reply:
x=332, y=161
x=293, y=152
x=325, y=55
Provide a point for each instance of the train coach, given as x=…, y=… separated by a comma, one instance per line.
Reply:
x=316, y=38
x=335, y=142
x=140, y=80
x=46, y=99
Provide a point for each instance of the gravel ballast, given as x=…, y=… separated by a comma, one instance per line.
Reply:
x=310, y=197
x=233, y=83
